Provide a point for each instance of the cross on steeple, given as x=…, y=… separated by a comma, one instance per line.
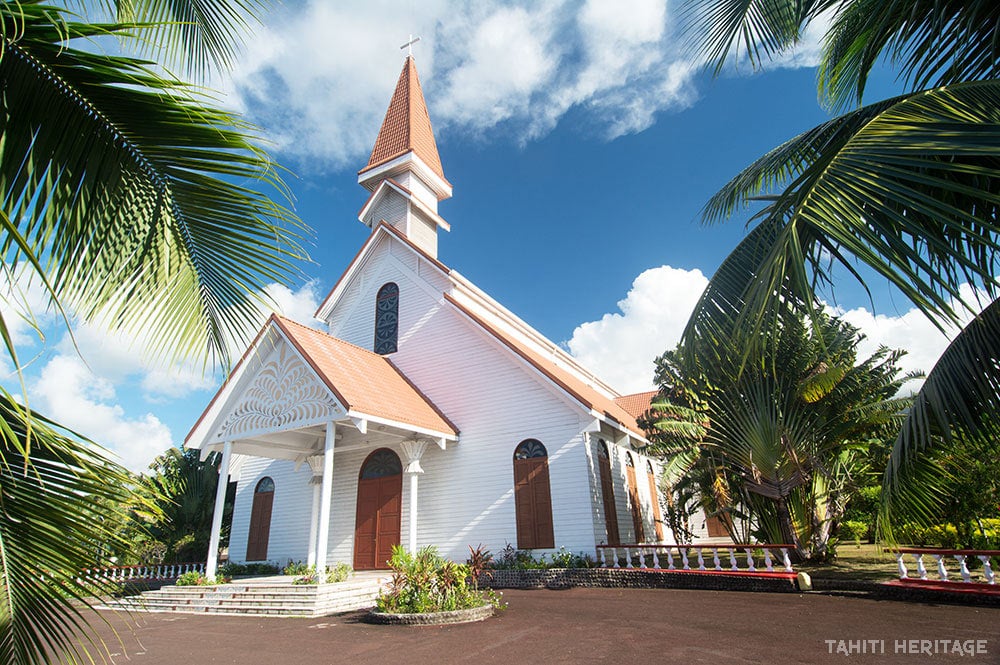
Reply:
x=409, y=45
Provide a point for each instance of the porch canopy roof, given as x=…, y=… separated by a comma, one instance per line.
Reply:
x=293, y=380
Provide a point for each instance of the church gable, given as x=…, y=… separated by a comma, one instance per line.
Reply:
x=349, y=311
x=272, y=389
x=283, y=394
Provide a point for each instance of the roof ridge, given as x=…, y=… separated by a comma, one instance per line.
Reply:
x=641, y=392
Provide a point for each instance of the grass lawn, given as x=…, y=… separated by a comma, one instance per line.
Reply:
x=865, y=562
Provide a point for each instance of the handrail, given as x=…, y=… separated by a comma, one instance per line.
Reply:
x=654, y=550
x=940, y=555
x=939, y=550
x=161, y=571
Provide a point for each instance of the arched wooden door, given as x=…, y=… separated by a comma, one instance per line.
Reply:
x=633, y=497
x=608, y=493
x=260, y=520
x=532, y=496
x=657, y=516
x=380, y=508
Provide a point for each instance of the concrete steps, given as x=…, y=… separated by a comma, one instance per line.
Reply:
x=259, y=599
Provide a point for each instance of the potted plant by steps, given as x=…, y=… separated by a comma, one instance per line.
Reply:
x=428, y=589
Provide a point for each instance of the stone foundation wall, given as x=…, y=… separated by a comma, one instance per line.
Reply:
x=562, y=578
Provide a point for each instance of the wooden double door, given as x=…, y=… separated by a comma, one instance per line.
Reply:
x=379, y=510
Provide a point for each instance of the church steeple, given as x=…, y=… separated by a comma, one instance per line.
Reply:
x=404, y=171
x=407, y=125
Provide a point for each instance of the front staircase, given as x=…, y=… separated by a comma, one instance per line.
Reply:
x=270, y=596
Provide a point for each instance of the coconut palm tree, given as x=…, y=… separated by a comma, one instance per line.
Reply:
x=134, y=202
x=909, y=186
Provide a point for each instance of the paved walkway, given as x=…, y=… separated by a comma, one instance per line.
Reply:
x=635, y=626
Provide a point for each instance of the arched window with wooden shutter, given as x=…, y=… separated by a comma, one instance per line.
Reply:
x=633, y=498
x=607, y=493
x=655, y=497
x=260, y=520
x=532, y=496
x=387, y=319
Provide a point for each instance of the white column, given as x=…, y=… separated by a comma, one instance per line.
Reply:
x=414, y=451
x=220, y=504
x=316, y=464
x=325, y=494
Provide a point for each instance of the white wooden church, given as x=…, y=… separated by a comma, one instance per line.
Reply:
x=426, y=413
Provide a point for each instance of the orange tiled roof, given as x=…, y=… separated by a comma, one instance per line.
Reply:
x=363, y=381
x=583, y=393
x=636, y=404
x=407, y=125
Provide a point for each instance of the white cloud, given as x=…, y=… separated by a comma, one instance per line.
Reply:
x=512, y=56
x=620, y=348
x=299, y=305
x=318, y=77
x=910, y=331
x=74, y=396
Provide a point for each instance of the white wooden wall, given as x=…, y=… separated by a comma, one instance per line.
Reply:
x=493, y=397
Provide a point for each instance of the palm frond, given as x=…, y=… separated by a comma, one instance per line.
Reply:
x=55, y=516
x=194, y=35
x=932, y=42
x=960, y=399
x=721, y=30
x=142, y=198
x=909, y=186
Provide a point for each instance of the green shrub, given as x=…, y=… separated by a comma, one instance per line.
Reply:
x=852, y=530
x=563, y=558
x=194, y=578
x=338, y=572
x=234, y=569
x=938, y=535
x=514, y=559
x=426, y=582
x=308, y=575
x=296, y=568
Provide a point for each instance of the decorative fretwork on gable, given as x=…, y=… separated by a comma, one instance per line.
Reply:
x=285, y=394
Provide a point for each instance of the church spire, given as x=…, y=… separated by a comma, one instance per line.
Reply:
x=407, y=125
x=404, y=171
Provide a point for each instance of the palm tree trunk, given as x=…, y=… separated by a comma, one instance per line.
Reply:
x=788, y=533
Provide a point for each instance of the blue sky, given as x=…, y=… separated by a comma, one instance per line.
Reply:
x=581, y=141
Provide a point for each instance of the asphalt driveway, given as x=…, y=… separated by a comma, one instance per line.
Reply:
x=590, y=626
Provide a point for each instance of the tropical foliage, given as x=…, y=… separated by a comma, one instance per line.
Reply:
x=132, y=202
x=775, y=445
x=338, y=572
x=424, y=581
x=170, y=516
x=908, y=186
x=50, y=529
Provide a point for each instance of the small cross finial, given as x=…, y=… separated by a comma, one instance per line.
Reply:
x=409, y=45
